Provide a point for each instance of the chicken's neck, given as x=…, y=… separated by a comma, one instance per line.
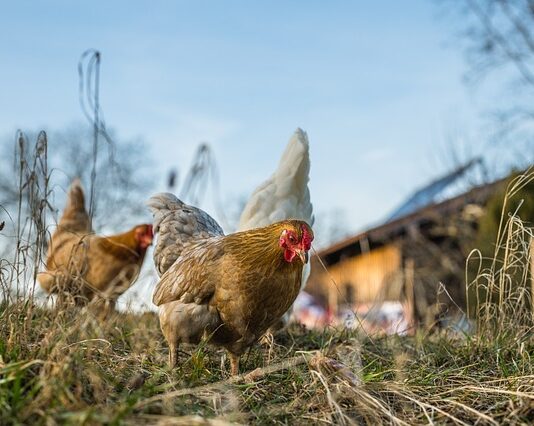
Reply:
x=259, y=248
x=123, y=245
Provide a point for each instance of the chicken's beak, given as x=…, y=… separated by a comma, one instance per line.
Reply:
x=303, y=254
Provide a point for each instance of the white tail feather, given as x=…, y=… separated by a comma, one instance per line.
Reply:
x=285, y=195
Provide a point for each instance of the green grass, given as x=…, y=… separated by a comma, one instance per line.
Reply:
x=67, y=368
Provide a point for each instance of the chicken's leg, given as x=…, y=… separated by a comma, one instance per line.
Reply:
x=234, y=364
x=173, y=355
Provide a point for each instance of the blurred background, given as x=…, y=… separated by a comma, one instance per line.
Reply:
x=417, y=113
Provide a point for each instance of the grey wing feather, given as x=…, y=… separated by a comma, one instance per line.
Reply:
x=177, y=225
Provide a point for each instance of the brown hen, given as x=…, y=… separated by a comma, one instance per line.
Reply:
x=226, y=289
x=88, y=266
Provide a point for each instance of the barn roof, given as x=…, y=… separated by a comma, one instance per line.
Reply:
x=458, y=181
x=397, y=226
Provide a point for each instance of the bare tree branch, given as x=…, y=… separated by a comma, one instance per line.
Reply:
x=495, y=36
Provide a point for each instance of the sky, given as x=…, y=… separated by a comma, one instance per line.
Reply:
x=378, y=86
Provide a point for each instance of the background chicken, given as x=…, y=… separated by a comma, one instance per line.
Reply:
x=85, y=265
x=228, y=288
x=285, y=195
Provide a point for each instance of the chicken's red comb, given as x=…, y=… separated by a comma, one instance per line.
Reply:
x=307, y=237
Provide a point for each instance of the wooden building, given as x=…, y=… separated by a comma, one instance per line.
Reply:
x=417, y=259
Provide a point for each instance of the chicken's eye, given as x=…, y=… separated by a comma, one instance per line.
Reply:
x=291, y=238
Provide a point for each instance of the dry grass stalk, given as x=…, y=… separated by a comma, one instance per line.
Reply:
x=66, y=366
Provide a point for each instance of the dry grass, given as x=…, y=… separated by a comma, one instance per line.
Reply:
x=61, y=365
x=67, y=367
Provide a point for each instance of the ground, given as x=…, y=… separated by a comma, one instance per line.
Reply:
x=66, y=367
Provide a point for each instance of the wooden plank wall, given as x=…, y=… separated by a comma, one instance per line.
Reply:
x=375, y=276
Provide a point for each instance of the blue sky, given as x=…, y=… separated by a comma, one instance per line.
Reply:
x=377, y=86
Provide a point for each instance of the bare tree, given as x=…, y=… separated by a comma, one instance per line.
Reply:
x=499, y=41
x=123, y=176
